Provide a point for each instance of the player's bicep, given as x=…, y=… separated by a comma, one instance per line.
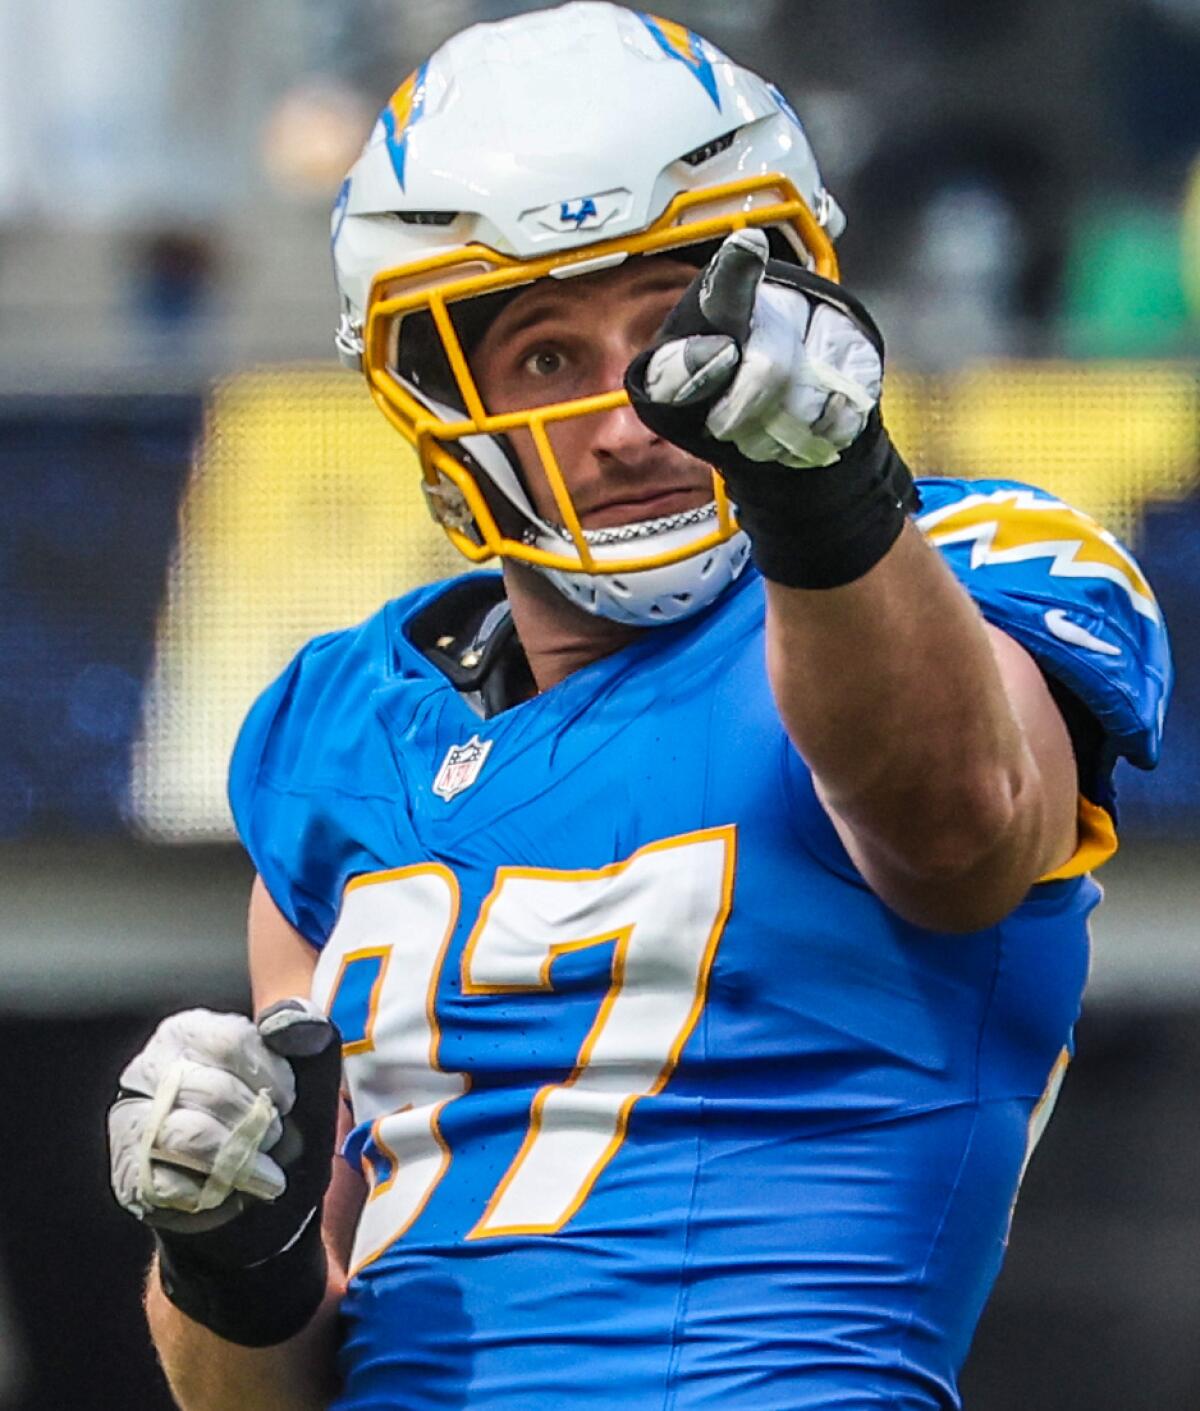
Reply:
x=1041, y=835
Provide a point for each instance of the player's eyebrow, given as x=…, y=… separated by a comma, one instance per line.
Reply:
x=544, y=310
x=545, y=307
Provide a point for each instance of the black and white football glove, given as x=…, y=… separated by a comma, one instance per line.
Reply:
x=773, y=376
x=221, y=1140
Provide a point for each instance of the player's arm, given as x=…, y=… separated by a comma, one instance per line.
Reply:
x=934, y=742
x=933, y=738
x=242, y=1297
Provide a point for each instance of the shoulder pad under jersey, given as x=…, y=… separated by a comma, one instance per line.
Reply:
x=1068, y=591
x=311, y=757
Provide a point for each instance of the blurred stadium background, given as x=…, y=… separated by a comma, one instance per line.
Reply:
x=190, y=489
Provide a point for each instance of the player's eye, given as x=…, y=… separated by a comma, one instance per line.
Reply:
x=544, y=362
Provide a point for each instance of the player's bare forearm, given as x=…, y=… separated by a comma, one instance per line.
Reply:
x=206, y=1373
x=891, y=689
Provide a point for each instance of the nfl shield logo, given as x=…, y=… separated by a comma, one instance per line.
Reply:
x=461, y=767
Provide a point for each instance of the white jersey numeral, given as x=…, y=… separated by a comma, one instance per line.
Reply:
x=664, y=908
x=378, y=978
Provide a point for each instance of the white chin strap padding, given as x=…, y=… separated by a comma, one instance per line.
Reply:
x=652, y=597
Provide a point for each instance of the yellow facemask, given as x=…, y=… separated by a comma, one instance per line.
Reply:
x=432, y=285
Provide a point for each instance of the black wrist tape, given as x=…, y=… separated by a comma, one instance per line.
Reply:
x=808, y=528
x=255, y=1306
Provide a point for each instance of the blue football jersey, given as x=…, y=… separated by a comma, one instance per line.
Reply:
x=657, y=1104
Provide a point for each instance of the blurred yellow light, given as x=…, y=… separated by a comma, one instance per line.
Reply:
x=304, y=513
x=1105, y=437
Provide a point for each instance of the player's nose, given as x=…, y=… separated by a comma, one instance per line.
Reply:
x=621, y=435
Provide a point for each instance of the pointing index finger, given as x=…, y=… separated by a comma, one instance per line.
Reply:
x=730, y=283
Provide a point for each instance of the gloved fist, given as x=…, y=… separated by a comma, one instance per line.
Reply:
x=207, y=1122
x=221, y=1140
x=784, y=376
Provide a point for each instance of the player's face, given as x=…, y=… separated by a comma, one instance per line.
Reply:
x=558, y=341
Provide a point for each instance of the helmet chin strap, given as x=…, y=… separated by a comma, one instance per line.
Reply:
x=650, y=597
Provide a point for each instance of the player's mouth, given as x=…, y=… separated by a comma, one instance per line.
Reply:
x=633, y=506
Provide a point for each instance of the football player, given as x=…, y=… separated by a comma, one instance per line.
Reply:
x=695, y=909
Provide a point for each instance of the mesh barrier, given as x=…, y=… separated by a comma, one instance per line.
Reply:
x=304, y=514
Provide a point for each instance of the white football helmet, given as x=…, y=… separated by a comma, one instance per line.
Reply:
x=551, y=145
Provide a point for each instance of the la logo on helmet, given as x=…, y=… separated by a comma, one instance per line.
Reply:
x=578, y=213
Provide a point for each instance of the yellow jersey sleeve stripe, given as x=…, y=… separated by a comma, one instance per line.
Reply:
x=1097, y=843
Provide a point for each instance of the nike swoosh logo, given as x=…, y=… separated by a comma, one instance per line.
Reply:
x=1067, y=631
